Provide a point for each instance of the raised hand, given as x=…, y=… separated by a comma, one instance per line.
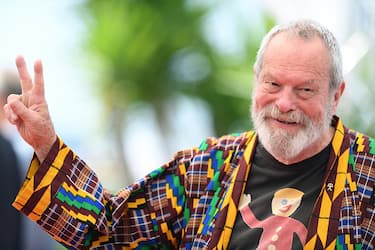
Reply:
x=29, y=111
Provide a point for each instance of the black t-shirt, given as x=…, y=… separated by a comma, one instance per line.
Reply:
x=278, y=202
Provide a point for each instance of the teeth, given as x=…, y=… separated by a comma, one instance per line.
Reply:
x=286, y=122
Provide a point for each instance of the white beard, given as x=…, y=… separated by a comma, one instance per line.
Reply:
x=283, y=143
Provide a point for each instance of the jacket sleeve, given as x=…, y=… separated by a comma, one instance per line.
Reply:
x=65, y=197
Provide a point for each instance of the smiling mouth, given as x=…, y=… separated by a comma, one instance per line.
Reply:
x=286, y=122
x=285, y=208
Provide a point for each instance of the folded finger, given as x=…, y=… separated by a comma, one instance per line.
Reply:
x=10, y=115
x=13, y=98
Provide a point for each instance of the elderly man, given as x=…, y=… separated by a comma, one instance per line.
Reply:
x=300, y=169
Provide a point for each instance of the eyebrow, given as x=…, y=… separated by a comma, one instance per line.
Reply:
x=311, y=81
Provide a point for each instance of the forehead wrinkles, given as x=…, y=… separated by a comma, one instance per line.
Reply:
x=303, y=76
x=295, y=55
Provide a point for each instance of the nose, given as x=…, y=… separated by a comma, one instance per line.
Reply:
x=286, y=101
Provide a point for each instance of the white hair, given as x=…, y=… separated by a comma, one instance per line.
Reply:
x=307, y=29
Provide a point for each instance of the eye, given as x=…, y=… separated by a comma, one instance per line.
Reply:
x=272, y=87
x=305, y=92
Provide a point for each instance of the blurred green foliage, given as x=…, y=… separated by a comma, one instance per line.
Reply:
x=152, y=51
x=356, y=108
x=157, y=49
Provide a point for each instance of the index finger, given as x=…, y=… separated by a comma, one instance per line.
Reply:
x=25, y=79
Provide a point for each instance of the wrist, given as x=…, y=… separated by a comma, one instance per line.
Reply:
x=42, y=151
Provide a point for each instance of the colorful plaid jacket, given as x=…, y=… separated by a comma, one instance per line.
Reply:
x=191, y=202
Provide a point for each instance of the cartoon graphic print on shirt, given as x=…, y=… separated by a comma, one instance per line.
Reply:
x=278, y=229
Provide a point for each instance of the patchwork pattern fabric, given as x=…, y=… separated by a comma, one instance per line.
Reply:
x=191, y=202
x=344, y=217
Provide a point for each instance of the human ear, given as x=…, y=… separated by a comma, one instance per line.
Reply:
x=337, y=95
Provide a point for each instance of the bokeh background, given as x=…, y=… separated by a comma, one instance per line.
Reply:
x=130, y=82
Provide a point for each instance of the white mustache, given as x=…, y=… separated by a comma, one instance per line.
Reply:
x=271, y=111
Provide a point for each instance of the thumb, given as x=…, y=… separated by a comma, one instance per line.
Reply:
x=19, y=110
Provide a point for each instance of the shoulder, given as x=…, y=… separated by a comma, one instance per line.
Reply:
x=363, y=163
x=361, y=144
x=362, y=159
x=227, y=142
x=215, y=147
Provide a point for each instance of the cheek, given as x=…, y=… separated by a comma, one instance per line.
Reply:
x=315, y=111
x=260, y=101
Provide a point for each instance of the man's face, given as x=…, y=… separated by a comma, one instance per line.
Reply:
x=292, y=105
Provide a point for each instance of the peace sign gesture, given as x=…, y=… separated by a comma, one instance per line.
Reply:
x=29, y=111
